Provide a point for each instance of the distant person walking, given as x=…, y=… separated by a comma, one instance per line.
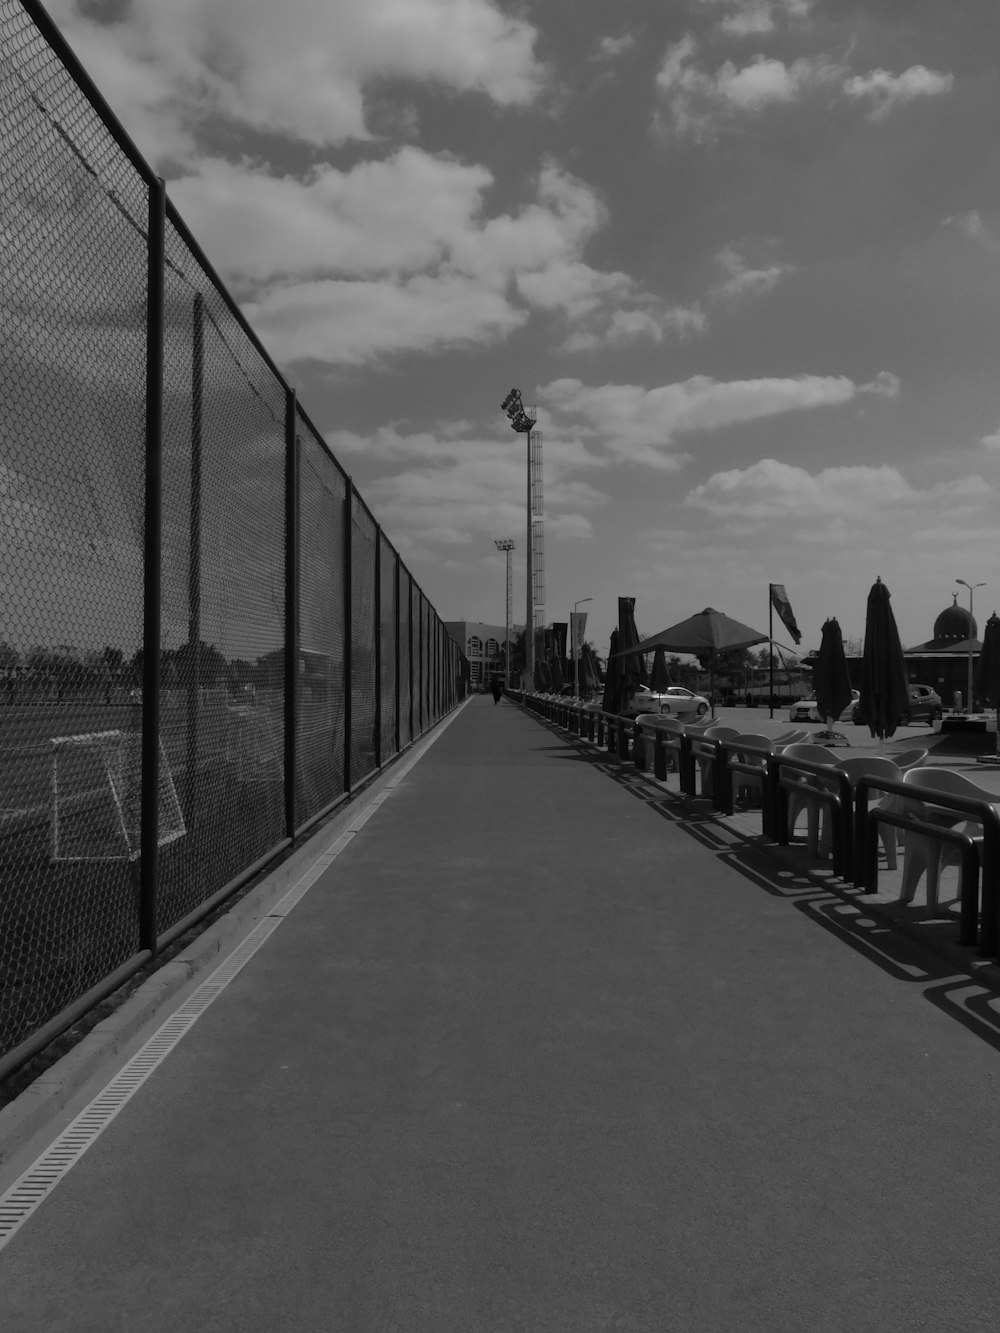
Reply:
x=497, y=690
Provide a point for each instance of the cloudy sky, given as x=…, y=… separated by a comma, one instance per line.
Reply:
x=744, y=255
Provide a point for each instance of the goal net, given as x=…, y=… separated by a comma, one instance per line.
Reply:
x=96, y=797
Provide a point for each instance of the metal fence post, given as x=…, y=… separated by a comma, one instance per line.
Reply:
x=398, y=710
x=149, y=805
x=291, y=608
x=377, y=546
x=194, y=549
x=348, y=618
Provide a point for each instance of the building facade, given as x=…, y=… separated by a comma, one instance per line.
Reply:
x=484, y=645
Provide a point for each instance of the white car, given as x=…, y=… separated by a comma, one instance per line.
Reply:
x=674, y=701
x=806, y=710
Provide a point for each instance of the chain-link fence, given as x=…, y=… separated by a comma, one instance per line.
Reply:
x=207, y=641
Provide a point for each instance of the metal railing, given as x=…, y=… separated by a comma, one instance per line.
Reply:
x=208, y=642
x=854, y=822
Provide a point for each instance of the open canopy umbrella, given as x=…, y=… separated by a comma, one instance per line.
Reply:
x=706, y=635
x=987, y=679
x=659, y=677
x=831, y=681
x=885, y=693
x=710, y=631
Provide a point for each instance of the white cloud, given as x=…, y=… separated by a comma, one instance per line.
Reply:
x=299, y=68
x=642, y=425
x=887, y=91
x=396, y=254
x=744, y=280
x=884, y=385
x=610, y=48
x=973, y=225
x=696, y=102
x=349, y=323
x=992, y=441
x=743, y=18
x=396, y=215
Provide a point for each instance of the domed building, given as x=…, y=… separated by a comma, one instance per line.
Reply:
x=944, y=660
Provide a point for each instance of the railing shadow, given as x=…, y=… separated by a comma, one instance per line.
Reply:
x=967, y=991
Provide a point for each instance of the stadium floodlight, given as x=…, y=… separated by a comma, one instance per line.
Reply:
x=522, y=420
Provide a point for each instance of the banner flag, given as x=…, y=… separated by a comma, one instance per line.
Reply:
x=578, y=627
x=781, y=604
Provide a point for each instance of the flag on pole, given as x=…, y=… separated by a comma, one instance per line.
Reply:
x=781, y=604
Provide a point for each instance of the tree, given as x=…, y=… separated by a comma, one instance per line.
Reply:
x=10, y=658
x=211, y=665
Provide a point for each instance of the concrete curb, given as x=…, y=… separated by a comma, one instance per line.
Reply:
x=32, y=1109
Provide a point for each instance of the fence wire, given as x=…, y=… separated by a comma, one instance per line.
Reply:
x=238, y=663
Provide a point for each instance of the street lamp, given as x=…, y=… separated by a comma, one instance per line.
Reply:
x=971, y=587
x=574, y=646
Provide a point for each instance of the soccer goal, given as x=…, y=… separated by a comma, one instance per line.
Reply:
x=96, y=797
x=254, y=745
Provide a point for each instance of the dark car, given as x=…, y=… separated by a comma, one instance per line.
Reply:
x=925, y=706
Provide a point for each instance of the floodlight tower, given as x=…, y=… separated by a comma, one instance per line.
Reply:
x=506, y=544
x=522, y=420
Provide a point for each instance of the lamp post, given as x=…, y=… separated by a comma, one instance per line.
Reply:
x=574, y=646
x=506, y=544
x=971, y=587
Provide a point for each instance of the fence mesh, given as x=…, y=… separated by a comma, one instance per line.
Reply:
x=74, y=726
x=72, y=396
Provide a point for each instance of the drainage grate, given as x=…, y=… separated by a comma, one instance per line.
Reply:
x=20, y=1201
x=41, y=1178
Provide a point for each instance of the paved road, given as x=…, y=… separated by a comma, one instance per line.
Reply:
x=532, y=1055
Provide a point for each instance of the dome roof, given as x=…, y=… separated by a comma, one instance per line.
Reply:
x=953, y=624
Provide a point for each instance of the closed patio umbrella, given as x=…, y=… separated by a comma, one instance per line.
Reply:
x=628, y=638
x=987, y=680
x=659, y=677
x=589, y=678
x=832, y=684
x=612, y=677
x=885, y=693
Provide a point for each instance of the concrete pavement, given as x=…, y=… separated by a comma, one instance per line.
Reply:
x=536, y=1053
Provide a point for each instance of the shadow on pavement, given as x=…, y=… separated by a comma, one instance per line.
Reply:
x=836, y=907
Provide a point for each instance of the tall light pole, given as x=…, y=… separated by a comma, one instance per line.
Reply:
x=574, y=647
x=971, y=587
x=522, y=419
x=506, y=544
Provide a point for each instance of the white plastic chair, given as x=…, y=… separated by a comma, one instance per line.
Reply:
x=669, y=727
x=703, y=750
x=745, y=784
x=904, y=761
x=868, y=766
x=923, y=854
x=814, y=754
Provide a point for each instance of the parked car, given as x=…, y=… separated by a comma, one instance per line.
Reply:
x=925, y=706
x=675, y=700
x=807, y=710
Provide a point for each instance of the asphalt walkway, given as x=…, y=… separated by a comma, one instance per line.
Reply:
x=535, y=1054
